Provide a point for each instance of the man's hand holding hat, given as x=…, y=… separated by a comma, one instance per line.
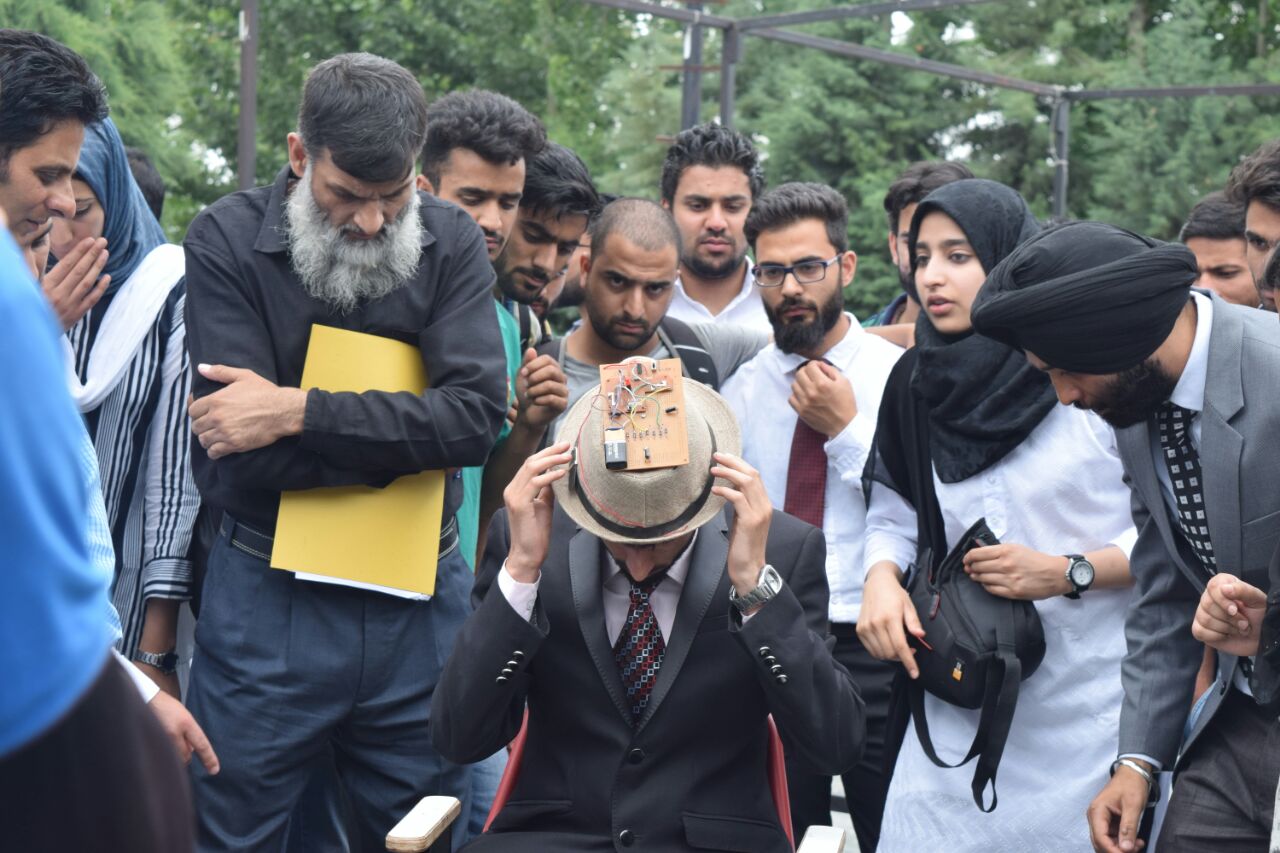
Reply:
x=529, y=503
x=751, y=514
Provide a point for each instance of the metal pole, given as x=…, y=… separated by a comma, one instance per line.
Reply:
x=1060, y=128
x=691, y=97
x=729, y=54
x=247, y=138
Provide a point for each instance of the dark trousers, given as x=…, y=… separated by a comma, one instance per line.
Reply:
x=286, y=671
x=1225, y=787
x=867, y=785
x=104, y=777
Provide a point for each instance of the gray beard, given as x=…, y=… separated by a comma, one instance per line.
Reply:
x=343, y=272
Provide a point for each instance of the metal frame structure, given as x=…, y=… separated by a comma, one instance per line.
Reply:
x=771, y=27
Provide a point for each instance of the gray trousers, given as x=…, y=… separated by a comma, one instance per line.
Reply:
x=285, y=670
x=1225, y=787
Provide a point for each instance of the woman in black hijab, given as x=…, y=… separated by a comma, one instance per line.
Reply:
x=967, y=429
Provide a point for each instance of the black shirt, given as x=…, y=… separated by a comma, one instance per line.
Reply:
x=247, y=308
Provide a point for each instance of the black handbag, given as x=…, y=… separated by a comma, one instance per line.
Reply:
x=976, y=649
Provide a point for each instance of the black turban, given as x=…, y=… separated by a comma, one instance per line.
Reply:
x=1086, y=297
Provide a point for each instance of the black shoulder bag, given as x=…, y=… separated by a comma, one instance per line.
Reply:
x=976, y=649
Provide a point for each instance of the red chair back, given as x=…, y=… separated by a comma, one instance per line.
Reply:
x=777, y=777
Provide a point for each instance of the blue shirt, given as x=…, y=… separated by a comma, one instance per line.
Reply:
x=53, y=638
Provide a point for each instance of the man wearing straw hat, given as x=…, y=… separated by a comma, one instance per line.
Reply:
x=651, y=621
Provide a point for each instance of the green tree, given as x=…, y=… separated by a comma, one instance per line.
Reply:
x=131, y=45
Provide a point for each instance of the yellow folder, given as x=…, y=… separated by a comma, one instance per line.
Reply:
x=360, y=535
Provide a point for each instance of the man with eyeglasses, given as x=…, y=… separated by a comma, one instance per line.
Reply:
x=807, y=405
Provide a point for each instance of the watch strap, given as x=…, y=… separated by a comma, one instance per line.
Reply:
x=166, y=662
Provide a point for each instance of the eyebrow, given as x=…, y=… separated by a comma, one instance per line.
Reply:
x=946, y=244
x=707, y=198
x=537, y=230
x=633, y=280
x=488, y=192
x=806, y=259
x=340, y=189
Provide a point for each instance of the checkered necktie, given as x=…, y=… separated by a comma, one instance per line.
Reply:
x=1188, y=488
x=639, y=649
x=806, y=474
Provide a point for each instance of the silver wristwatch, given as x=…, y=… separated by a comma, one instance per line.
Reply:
x=769, y=585
x=166, y=663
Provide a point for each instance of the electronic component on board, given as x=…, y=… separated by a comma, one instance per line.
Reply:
x=615, y=448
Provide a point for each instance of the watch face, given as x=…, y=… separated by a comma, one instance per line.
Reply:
x=771, y=580
x=1082, y=573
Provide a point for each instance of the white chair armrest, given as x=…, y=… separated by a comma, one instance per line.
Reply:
x=420, y=828
x=825, y=839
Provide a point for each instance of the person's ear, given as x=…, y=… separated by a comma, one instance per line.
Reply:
x=424, y=184
x=848, y=267
x=893, y=247
x=297, y=154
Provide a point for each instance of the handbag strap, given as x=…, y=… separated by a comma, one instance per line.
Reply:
x=994, y=722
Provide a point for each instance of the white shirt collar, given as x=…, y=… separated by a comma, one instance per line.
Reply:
x=1189, y=392
x=615, y=579
x=841, y=355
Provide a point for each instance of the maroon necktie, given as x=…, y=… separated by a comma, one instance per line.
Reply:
x=806, y=474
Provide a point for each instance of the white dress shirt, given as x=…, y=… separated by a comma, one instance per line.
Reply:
x=758, y=394
x=745, y=309
x=1061, y=491
x=616, y=593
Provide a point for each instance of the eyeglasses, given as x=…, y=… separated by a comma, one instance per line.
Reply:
x=805, y=272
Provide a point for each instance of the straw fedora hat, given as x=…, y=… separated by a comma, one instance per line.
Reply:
x=645, y=507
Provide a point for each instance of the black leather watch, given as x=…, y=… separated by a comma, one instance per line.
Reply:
x=166, y=663
x=1079, y=574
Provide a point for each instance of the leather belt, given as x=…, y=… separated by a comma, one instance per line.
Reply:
x=257, y=544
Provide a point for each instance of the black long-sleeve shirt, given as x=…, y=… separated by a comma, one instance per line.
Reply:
x=247, y=308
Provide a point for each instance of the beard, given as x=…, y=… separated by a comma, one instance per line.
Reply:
x=340, y=271
x=803, y=336
x=525, y=290
x=1134, y=395
x=708, y=268
x=606, y=329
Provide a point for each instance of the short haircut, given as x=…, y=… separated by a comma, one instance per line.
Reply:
x=493, y=126
x=916, y=182
x=715, y=146
x=1215, y=217
x=789, y=203
x=1257, y=177
x=606, y=199
x=646, y=223
x=369, y=113
x=556, y=181
x=147, y=178
x=42, y=84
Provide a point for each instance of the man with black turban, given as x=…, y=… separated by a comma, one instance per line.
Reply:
x=1111, y=317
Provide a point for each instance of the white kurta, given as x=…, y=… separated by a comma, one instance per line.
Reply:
x=1059, y=492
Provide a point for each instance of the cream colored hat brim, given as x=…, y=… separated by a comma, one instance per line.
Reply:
x=659, y=495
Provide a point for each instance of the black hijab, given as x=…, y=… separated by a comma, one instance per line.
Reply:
x=983, y=397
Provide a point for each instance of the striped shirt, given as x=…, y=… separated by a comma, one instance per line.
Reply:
x=142, y=438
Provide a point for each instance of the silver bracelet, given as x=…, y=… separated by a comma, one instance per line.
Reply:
x=1135, y=767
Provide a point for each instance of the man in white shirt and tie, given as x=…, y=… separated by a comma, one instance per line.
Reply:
x=816, y=391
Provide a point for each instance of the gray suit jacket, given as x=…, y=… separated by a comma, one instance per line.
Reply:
x=1240, y=425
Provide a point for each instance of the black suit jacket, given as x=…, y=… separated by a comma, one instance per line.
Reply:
x=692, y=774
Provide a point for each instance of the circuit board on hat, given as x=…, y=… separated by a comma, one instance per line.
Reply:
x=644, y=414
